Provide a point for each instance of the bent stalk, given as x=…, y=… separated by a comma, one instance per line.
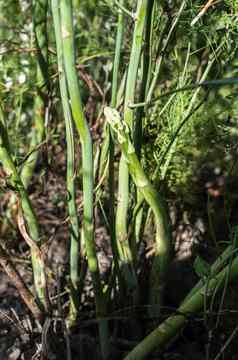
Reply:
x=154, y=200
x=14, y=180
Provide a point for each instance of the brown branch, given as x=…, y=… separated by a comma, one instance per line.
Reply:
x=18, y=282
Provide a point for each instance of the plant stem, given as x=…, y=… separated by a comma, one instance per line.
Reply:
x=138, y=133
x=170, y=327
x=117, y=57
x=40, y=8
x=82, y=127
x=162, y=53
x=123, y=181
x=72, y=207
x=15, y=181
x=111, y=175
x=145, y=71
x=18, y=282
x=154, y=200
x=163, y=236
x=209, y=84
x=115, y=77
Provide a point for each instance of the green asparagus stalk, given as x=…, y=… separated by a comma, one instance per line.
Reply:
x=170, y=327
x=83, y=130
x=138, y=133
x=67, y=34
x=107, y=153
x=154, y=200
x=72, y=207
x=115, y=78
x=14, y=180
x=38, y=132
x=125, y=254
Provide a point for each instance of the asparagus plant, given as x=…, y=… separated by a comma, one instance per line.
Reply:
x=40, y=8
x=14, y=180
x=115, y=78
x=125, y=254
x=140, y=115
x=107, y=151
x=166, y=331
x=72, y=207
x=154, y=200
x=68, y=50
